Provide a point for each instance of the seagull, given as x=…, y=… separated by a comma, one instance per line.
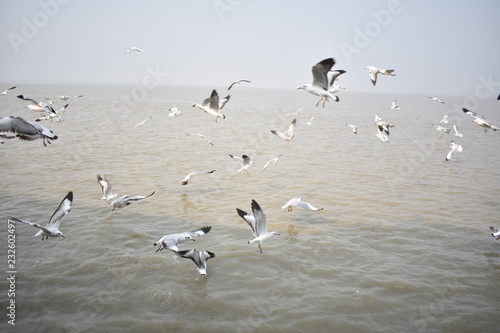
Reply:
x=445, y=119
x=62, y=97
x=320, y=84
x=384, y=127
x=288, y=135
x=395, y=105
x=310, y=121
x=333, y=77
x=442, y=129
x=273, y=161
x=480, y=120
x=52, y=228
x=294, y=113
x=188, y=177
x=199, y=258
x=51, y=116
x=202, y=136
x=134, y=49
x=172, y=241
x=37, y=106
x=5, y=91
x=212, y=105
x=174, y=112
x=436, y=99
x=456, y=131
x=354, y=128
x=377, y=118
x=237, y=82
x=126, y=200
x=495, y=233
x=244, y=161
x=258, y=223
x=455, y=148
x=374, y=71
x=26, y=130
x=381, y=135
x=297, y=202
x=142, y=122
x=106, y=189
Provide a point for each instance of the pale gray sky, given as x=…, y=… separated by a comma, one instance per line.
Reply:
x=436, y=47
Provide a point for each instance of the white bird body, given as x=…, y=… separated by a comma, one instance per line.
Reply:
x=213, y=106
x=237, y=82
x=309, y=123
x=190, y=175
x=244, y=160
x=37, y=106
x=480, y=120
x=457, y=133
x=436, y=99
x=320, y=84
x=455, y=148
x=134, y=49
x=26, y=130
x=52, y=228
x=297, y=202
x=374, y=71
x=258, y=223
x=5, y=91
x=142, y=122
x=126, y=200
x=495, y=232
x=199, y=258
x=377, y=118
x=384, y=127
x=174, y=112
x=273, y=161
x=442, y=129
x=353, y=127
x=445, y=119
x=289, y=134
x=172, y=241
x=395, y=105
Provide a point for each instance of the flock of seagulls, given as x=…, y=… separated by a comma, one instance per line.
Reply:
x=324, y=85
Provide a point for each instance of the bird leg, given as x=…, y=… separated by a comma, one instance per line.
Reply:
x=325, y=100
x=319, y=101
x=159, y=249
x=260, y=248
x=290, y=208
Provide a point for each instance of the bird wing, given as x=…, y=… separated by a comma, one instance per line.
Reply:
x=223, y=101
x=291, y=128
x=135, y=197
x=30, y=223
x=105, y=185
x=334, y=76
x=200, y=232
x=214, y=101
x=470, y=113
x=320, y=72
x=250, y=219
x=61, y=211
x=307, y=206
x=17, y=125
x=260, y=218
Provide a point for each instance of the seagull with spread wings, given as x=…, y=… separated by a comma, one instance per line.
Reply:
x=320, y=84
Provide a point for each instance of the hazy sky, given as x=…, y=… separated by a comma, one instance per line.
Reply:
x=435, y=47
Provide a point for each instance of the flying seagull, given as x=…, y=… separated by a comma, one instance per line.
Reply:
x=5, y=91
x=297, y=202
x=294, y=113
x=258, y=223
x=457, y=133
x=37, y=106
x=52, y=228
x=213, y=105
x=333, y=77
x=445, y=119
x=287, y=135
x=62, y=97
x=495, y=233
x=237, y=82
x=309, y=123
x=320, y=84
x=134, y=49
x=395, y=105
x=455, y=148
x=436, y=99
x=199, y=258
x=442, y=129
x=480, y=120
x=384, y=127
x=172, y=241
x=107, y=194
x=244, y=161
x=26, y=130
x=374, y=71
x=142, y=122
x=353, y=127
x=126, y=200
x=52, y=116
x=273, y=161
x=202, y=136
x=174, y=112
x=188, y=177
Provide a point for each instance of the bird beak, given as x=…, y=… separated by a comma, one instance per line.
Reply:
x=63, y=236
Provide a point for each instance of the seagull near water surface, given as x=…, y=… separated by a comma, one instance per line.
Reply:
x=237, y=82
x=198, y=257
x=299, y=203
x=172, y=241
x=7, y=90
x=212, y=105
x=455, y=148
x=187, y=179
x=52, y=228
x=320, y=84
x=117, y=200
x=36, y=106
x=26, y=130
x=258, y=223
x=480, y=120
x=288, y=135
x=245, y=162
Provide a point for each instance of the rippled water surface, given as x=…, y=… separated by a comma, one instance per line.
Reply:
x=402, y=245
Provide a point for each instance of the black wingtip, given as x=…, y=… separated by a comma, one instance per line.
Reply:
x=206, y=229
x=241, y=213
